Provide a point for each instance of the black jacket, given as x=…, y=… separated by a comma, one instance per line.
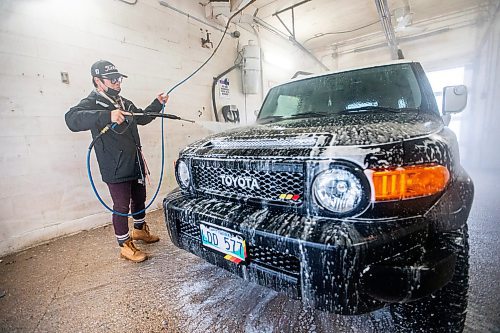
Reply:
x=117, y=155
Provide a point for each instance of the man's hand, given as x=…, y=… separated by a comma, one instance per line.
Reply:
x=162, y=98
x=118, y=116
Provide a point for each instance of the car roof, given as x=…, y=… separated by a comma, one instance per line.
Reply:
x=393, y=62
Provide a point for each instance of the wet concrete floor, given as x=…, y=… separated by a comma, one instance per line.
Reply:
x=78, y=284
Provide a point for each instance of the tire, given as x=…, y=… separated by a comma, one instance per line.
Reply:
x=445, y=310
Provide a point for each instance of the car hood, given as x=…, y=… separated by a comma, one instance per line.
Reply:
x=359, y=129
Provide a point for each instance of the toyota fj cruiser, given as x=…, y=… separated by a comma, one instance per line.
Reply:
x=347, y=193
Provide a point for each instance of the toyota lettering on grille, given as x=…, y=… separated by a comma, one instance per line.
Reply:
x=241, y=182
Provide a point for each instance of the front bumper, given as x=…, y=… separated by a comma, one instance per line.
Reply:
x=341, y=266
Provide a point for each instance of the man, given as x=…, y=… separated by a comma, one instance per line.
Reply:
x=118, y=151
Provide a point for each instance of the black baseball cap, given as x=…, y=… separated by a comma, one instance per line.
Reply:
x=105, y=70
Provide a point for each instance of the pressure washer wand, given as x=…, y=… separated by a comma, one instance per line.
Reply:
x=162, y=115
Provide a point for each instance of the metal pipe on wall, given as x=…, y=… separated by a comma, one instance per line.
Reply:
x=163, y=3
x=269, y=27
x=390, y=35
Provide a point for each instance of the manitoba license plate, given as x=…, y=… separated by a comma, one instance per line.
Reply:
x=225, y=241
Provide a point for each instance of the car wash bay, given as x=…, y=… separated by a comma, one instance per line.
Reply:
x=60, y=270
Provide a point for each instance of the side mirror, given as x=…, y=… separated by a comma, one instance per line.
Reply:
x=454, y=99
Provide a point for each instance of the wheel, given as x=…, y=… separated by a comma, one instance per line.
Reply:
x=445, y=310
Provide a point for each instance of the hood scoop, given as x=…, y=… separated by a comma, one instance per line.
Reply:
x=230, y=143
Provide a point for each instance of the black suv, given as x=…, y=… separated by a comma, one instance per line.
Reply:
x=348, y=193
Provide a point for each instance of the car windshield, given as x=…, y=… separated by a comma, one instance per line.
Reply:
x=388, y=88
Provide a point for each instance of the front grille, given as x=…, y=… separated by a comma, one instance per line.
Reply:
x=259, y=255
x=190, y=230
x=275, y=260
x=276, y=183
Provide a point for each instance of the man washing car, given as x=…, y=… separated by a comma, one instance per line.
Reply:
x=121, y=162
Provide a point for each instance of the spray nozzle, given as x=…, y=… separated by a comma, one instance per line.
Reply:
x=164, y=115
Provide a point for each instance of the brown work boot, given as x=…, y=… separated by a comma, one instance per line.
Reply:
x=144, y=235
x=130, y=252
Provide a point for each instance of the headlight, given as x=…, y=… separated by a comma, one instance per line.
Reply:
x=183, y=174
x=340, y=191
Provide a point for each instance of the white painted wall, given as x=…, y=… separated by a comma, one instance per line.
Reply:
x=44, y=190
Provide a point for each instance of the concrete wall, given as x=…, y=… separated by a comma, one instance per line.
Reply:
x=44, y=188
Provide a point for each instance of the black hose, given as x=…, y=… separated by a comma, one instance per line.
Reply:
x=214, y=83
x=300, y=73
x=129, y=2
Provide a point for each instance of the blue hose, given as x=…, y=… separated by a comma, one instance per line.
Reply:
x=89, y=173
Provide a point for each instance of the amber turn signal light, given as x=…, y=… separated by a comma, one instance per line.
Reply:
x=409, y=181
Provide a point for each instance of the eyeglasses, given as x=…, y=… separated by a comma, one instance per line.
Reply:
x=117, y=80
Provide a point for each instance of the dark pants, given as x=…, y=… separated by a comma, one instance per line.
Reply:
x=127, y=196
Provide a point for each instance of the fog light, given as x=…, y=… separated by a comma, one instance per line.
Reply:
x=183, y=175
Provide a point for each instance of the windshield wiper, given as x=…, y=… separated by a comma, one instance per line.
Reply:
x=308, y=114
x=270, y=119
x=380, y=108
x=293, y=116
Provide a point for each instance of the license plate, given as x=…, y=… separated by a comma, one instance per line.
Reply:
x=225, y=241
